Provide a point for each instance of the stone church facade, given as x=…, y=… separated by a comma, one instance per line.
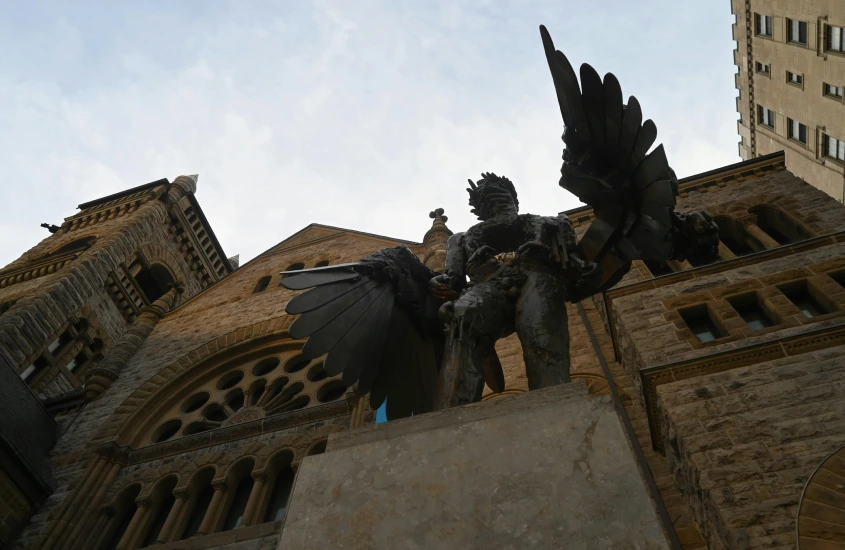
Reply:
x=153, y=397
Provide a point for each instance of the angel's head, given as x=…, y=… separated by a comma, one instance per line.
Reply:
x=492, y=196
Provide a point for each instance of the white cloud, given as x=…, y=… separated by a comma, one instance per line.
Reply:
x=363, y=115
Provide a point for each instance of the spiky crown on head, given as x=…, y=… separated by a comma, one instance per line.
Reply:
x=488, y=192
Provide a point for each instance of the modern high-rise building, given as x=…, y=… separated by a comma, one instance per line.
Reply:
x=791, y=79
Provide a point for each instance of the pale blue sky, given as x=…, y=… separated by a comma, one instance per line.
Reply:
x=359, y=114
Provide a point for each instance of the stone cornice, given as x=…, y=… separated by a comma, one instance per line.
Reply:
x=653, y=377
x=45, y=266
x=110, y=210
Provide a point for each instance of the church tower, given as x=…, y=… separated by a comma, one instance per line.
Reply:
x=89, y=292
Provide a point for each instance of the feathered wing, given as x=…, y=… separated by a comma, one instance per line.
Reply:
x=606, y=166
x=375, y=321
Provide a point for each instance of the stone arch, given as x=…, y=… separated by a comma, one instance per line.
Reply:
x=821, y=502
x=157, y=254
x=119, y=423
x=240, y=466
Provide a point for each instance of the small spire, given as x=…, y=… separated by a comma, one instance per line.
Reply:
x=235, y=261
x=438, y=226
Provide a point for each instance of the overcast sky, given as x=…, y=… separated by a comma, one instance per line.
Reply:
x=358, y=114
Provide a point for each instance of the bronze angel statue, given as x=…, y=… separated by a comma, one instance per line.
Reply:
x=423, y=340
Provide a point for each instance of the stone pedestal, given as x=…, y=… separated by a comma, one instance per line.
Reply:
x=544, y=469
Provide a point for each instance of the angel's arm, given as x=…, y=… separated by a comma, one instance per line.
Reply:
x=456, y=257
x=448, y=284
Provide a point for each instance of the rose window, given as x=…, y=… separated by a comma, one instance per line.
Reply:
x=272, y=384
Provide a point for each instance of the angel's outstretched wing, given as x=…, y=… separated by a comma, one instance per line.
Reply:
x=607, y=166
x=378, y=325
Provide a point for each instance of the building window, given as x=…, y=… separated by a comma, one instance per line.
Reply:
x=763, y=25
x=125, y=509
x=795, y=79
x=261, y=285
x=751, y=312
x=764, y=68
x=834, y=38
x=834, y=148
x=282, y=484
x=153, y=281
x=835, y=92
x=294, y=267
x=164, y=501
x=235, y=515
x=766, y=116
x=322, y=263
x=799, y=294
x=699, y=322
x=797, y=131
x=201, y=494
x=275, y=382
x=796, y=31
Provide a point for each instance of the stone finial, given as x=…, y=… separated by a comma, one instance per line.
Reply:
x=438, y=213
x=182, y=186
x=438, y=226
x=235, y=261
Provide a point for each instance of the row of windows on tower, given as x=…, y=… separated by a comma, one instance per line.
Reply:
x=797, y=79
x=832, y=147
x=797, y=32
x=750, y=309
x=264, y=281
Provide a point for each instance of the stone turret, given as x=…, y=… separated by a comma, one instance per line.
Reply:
x=434, y=241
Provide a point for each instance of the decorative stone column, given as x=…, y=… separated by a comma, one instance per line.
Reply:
x=725, y=253
x=213, y=511
x=101, y=377
x=76, y=502
x=679, y=265
x=95, y=538
x=113, y=470
x=357, y=403
x=128, y=538
x=754, y=231
x=182, y=496
x=252, y=505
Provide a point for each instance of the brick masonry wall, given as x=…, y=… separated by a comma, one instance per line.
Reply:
x=222, y=309
x=647, y=335
x=780, y=188
x=743, y=443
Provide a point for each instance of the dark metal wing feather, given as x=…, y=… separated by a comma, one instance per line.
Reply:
x=607, y=166
x=374, y=321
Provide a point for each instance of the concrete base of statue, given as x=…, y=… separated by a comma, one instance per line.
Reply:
x=550, y=468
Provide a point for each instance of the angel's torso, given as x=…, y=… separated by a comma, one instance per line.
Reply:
x=506, y=233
